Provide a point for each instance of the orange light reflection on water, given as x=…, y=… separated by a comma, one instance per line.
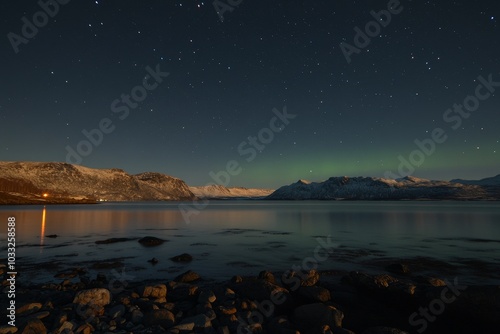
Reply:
x=42, y=232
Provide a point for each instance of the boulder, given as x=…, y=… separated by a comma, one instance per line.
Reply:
x=314, y=294
x=281, y=325
x=268, y=276
x=85, y=329
x=161, y=317
x=182, y=258
x=227, y=310
x=369, y=282
x=40, y=315
x=198, y=322
x=136, y=317
x=98, y=297
x=187, y=277
x=436, y=281
x=402, y=289
x=111, y=241
x=257, y=289
x=182, y=328
x=313, y=317
x=398, y=268
x=28, y=308
x=34, y=326
x=66, y=327
x=206, y=297
x=182, y=293
x=156, y=291
x=151, y=241
x=384, y=285
x=7, y=329
x=292, y=279
x=117, y=311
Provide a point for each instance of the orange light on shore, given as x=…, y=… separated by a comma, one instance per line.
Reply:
x=45, y=195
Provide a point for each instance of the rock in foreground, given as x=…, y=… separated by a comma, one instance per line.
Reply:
x=151, y=241
x=363, y=303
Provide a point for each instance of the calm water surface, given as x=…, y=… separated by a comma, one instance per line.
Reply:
x=244, y=237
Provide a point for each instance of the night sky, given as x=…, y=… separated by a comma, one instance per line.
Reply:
x=226, y=77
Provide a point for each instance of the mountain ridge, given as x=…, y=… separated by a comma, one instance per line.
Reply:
x=488, y=181
x=62, y=182
x=25, y=182
x=372, y=188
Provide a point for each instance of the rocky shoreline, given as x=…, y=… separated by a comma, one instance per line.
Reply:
x=306, y=302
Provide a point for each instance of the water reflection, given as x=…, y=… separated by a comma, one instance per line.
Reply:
x=42, y=231
x=272, y=235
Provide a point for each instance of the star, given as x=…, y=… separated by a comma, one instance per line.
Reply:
x=395, y=92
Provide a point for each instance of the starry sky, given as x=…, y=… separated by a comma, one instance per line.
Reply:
x=87, y=66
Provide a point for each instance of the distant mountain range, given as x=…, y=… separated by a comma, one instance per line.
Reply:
x=27, y=182
x=221, y=192
x=55, y=182
x=370, y=188
x=489, y=181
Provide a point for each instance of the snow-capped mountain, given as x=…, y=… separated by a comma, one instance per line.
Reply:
x=61, y=182
x=489, y=181
x=221, y=192
x=371, y=188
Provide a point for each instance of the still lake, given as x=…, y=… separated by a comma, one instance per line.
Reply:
x=444, y=239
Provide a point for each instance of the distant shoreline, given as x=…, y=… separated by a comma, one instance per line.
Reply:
x=8, y=199
x=20, y=202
